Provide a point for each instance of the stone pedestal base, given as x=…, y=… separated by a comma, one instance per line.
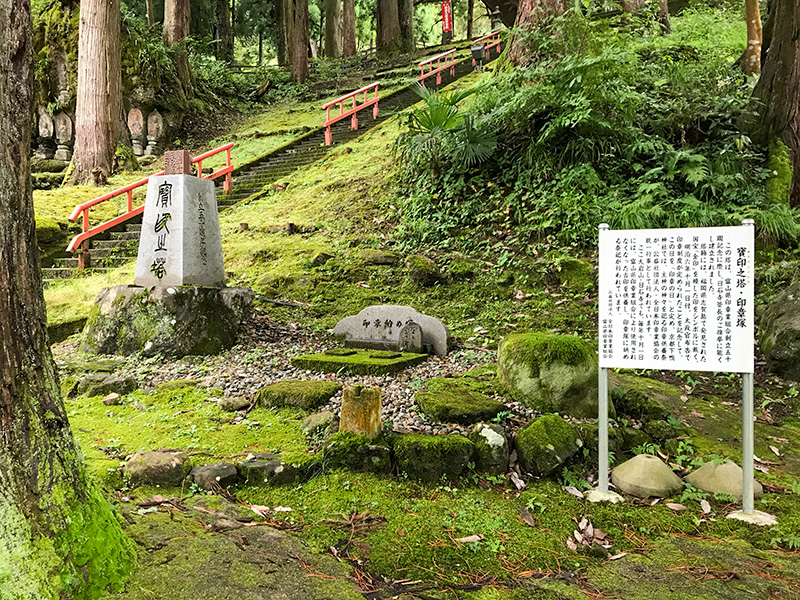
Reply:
x=63, y=153
x=361, y=411
x=597, y=496
x=755, y=518
x=170, y=321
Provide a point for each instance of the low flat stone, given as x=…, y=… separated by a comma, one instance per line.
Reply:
x=456, y=401
x=212, y=477
x=99, y=384
x=112, y=399
x=724, y=478
x=357, y=363
x=378, y=257
x=233, y=403
x=307, y=395
x=316, y=423
x=644, y=476
x=158, y=467
x=268, y=472
x=491, y=448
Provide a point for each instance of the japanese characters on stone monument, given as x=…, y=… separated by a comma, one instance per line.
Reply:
x=180, y=243
x=679, y=299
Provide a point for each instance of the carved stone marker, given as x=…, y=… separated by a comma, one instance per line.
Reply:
x=155, y=131
x=177, y=162
x=136, y=127
x=380, y=327
x=180, y=242
x=361, y=411
x=63, y=125
x=46, y=147
x=410, y=339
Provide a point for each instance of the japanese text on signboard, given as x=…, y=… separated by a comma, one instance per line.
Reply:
x=677, y=299
x=447, y=16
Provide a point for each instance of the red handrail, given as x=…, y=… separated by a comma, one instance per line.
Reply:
x=449, y=59
x=81, y=240
x=492, y=41
x=352, y=111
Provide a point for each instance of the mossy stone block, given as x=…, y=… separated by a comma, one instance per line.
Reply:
x=575, y=274
x=638, y=405
x=462, y=270
x=347, y=450
x=358, y=363
x=550, y=373
x=378, y=257
x=546, y=444
x=308, y=395
x=779, y=333
x=457, y=400
x=491, y=448
x=48, y=229
x=633, y=437
x=422, y=271
x=661, y=431
x=429, y=458
x=175, y=385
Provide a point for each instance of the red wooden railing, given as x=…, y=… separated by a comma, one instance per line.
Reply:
x=491, y=40
x=81, y=241
x=352, y=111
x=445, y=60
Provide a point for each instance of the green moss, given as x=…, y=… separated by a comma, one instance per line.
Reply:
x=457, y=400
x=639, y=405
x=359, y=363
x=541, y=348
x=462, y=270
x=575, y=274
x=430, y=458
x=176, y=384
x=422, y=271
x=780, y=184
x=307, y=395
x=357, y=453
x=546, y=444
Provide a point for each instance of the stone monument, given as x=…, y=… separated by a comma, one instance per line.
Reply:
x=179, y=304
x=393, y=327
x=63, y=125
x=46, y=147
x=136, y=129
x=180, y=242
x=155, y=131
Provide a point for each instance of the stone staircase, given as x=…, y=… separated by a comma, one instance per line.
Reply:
x=254, y=177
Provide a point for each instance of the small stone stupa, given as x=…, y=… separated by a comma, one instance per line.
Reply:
x=179, y=304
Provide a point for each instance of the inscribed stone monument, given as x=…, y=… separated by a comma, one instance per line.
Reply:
x=46, y=147
x=63, y=127
x=180, y=242
x=155, y=131
x=380, y=327
x=136, y=128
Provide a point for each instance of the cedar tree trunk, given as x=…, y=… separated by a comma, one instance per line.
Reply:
x=389, y=36
x=300, y=42
x=752, y=56
x=470, y=17
x=531, y=14
x=177, y=18
x=778, y=89
x=285, y=41
x=224, y=47
x=56, y=531
x=333, y=21
x=663, y=15
x=98, y=114
x=349, y=27
x=151, y=15
x=406, y=13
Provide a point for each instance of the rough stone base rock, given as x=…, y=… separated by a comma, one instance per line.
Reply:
x=779, y=333
x=97, y=384
x=357, y=453
x=550, y=373
x=211, y=477
x=233, y=403
x=428, y=458
x=596, y=496
x=357, y=363
x=172, y=322
x=491, y=449
x=317, y=423
x=756, y=517
x=644, y=476
x=361, y=411
x=454, y=400
x=267, y=469
x=307, y=395
x=725, y=478
x=158, y=467
x=546, y=444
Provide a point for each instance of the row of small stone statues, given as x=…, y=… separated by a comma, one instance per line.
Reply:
x=56, y=134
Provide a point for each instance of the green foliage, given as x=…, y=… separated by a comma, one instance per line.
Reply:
x=605, y=123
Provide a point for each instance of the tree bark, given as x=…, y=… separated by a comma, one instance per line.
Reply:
x=55, y=529
x=98, y=113
x=224, y=47
x=406, y=14
x=389, y=36
x=177, y=20
x=300, y=42
x=470, y=17
x=333, y=23
x=778, y=88
x=151, y=15
x=508, y=10
x=349, y=28
x=531, y=14
x=663, y=16
x=752, y=57
x=285, y=41
x=769, y=25
x=630, y=6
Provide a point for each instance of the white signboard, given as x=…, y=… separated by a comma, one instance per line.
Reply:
x=677, y=299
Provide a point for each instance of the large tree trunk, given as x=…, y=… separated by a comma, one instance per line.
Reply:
x=508, y=10
x=285, y=41
x=752, y=57
x=663, y=15
x=630, y=6
x=98, y=114
x=769, y=25
x=406, y=13
x=300, y=42
x=56, y=531
x=389, y=36
x=177, y=20
x=778, y=89
x=333, y=22
x=531, y=14
x=224, y=47
x=470, y=17
x=349, y=27
x=151, y=15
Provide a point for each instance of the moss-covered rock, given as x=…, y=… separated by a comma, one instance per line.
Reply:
x=348, y=450
x=575, y=274
x=491, y=448
x=378, y=257
x=99, y=384
x=429, y=458
x=589, y=437
x=779, y=333
x=632, y=437
x=457, y=400
x=308, y=395
x=357, y=363
x=268, y=469
x=660, y=431
x=176, y=384
x=159, y=467
x=422, y=271
x=638, y=405
x=47, y=229
x=550, y=373
x=546, y=444
x=462, y=270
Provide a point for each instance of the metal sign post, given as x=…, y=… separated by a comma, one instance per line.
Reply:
x=678, y=299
